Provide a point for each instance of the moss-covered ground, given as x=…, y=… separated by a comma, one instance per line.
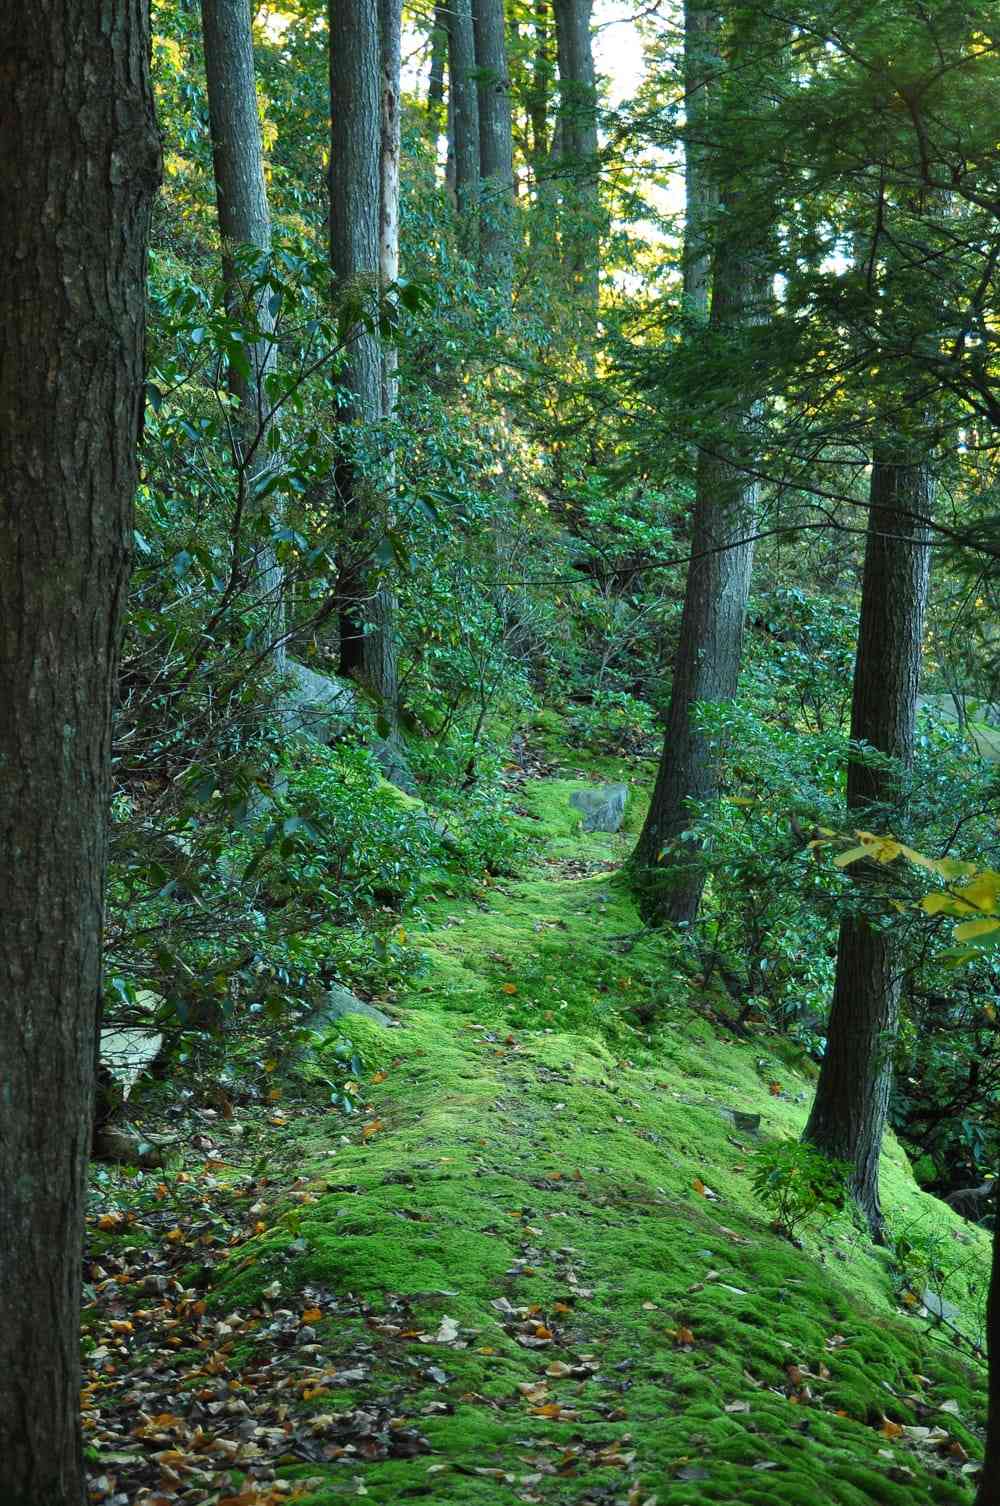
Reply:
x=540, y=1257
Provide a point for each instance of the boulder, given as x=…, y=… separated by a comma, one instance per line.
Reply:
x=603, y=808
x=392, y=761
x=335, y=1003
x=938, y=1306
x=314, y=706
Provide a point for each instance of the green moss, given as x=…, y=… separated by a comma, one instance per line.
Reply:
x=552, y=1111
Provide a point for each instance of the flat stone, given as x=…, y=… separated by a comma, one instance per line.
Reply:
x=337, y=1002
x=603, y=808
x=937, y=1305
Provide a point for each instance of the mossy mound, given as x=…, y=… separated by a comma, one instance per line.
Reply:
x=544, y=1243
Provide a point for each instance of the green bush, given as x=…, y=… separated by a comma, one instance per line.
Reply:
x=796, y=1183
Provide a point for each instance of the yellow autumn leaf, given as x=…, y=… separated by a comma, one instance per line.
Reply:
x=852, y=855
x=982, y=892
x=970, y=928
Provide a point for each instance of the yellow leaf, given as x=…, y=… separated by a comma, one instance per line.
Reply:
x=312, y=1315
x=983, y=891
x=852, y=855
x=971, y=928
x=509, y=988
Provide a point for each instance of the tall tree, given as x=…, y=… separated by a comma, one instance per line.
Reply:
x=852, y=1095
x=577, y=145
x=79, y=164
x=367, y=647
x=439, y=58
x=464, y=101
x=496, y=148
x=668, y=869
x=244, y=221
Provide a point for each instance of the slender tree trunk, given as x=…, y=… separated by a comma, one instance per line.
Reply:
x=989, y=1484
x=439, y=58
x=496, y=147
x=79, y=164
x=852, y=1096
x=669, y=871
x=701, y=65
x=578, y=161
x=464, y=114
x=366, y=626
x=244, y=220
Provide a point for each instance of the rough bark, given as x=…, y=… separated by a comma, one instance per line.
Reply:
x=496, y=147
x=464, y=97
x=852, y=1095
x=439, y=57
x=79, y=164
x=701, y=63
x=366, y=628
x=577, y=146
x=989, y=1484
x=669, y=870
x=244, y=220
x=669, y=873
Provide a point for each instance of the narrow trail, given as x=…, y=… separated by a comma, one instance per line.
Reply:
x=536, y=1273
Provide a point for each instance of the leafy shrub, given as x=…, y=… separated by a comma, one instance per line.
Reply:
x=797, y=1182
x=615, y=722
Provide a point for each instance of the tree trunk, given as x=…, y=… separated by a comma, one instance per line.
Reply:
x=79, y=164
x=578, y=163
x=244, y=220
x=439, y=57
x=464, y=115
x=669, y=872
x=366, y=628
x=852, y=1095
x=701, y=65
x=496, y=147
x=989, y=1484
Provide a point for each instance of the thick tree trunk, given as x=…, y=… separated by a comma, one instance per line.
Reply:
x=244, y=220
x=79, y=164
x=989, y=1484
x=496, y=147
x=464, y=98
x=366, y=627
x=852, y=1096
x=578, y=162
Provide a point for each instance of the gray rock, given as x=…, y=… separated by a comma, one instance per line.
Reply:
x=314, y=706
x=603, y=808
x=336, y=1002
x=937, y=1306
x=392, y=761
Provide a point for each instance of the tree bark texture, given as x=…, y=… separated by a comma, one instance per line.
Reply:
x=464, y=97
x=701, y=64
x=669, y=871
x=366, y=629
x=848, y=1115
x=79, y=165
x=496, y=147
x=439, y=58
x=244, y=220
x=989, y=1483
x=577, y=145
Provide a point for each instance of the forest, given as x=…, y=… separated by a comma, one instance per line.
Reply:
x=500, y=752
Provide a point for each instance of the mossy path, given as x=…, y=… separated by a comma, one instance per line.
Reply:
x=536, y=1273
